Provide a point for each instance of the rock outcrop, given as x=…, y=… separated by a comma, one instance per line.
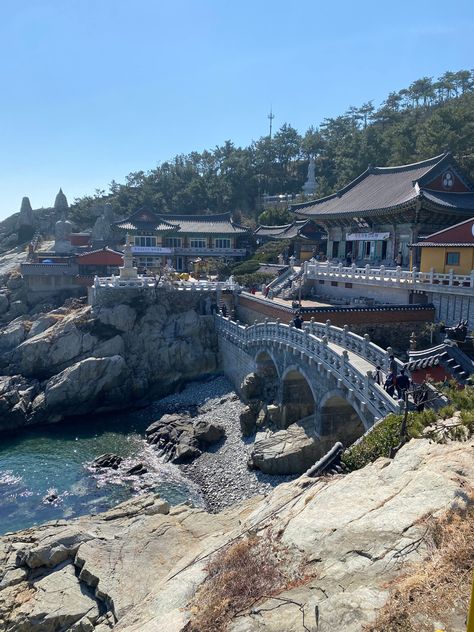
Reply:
x=136, y=567
x=180, y=440
x=289, y=451
x=73, y=361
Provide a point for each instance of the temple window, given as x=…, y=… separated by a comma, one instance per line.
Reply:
x=173, y=242
x=222, y=243
x=452, y=258
x=197, y=243
x=147, y=241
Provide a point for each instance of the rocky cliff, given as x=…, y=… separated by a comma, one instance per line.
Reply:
x=72, y=361
x=137, y=567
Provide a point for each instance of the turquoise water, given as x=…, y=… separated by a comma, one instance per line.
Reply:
x=55, y=458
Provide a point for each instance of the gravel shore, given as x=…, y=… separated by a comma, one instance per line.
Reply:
x=221, y=472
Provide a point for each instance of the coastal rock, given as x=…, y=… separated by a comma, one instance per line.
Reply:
x=107, y=460
x=143, y=568
x=12, y=335
x=55, y=602
x=248, y=419
x=252, y=387
x=290, y=451
x=141, y=348
x=4, y=303
x=122, y=317
x=42, y=324
x=180, y=440
x=137, y=470
x=82, y=387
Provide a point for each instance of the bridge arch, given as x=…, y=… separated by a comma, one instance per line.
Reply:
x=266, y=365
x=339, y=419
x=298, y=399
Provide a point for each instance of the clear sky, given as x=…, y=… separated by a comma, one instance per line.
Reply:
x=95, y=89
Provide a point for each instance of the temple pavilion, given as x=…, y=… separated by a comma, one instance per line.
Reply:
x=305, y=239
x=376, y=217
x=181, y=240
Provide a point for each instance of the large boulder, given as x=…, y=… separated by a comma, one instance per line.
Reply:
x=12, y=335
x=88, y=385
x=252, y=387
x=180, y=440
x=248, y=419
x=290, y=451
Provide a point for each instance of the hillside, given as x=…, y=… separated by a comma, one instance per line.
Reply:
x=415, y=123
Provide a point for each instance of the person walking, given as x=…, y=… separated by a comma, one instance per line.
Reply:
x=377, y=375
x=403, y=384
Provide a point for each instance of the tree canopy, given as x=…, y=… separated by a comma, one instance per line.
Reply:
x=415, y=123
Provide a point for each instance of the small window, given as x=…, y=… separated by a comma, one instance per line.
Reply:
x=221, y=243
x=452, y=258
x=197, y=243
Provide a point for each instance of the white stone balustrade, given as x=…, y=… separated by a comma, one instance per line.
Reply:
x=396, y=277
x=316, y=348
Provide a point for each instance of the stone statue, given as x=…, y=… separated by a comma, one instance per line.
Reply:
x=102, y=229
x=309, y=187
x=62, y=236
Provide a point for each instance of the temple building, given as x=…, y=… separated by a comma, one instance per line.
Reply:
x=374, y=219
x=449, y=249
x=180, y=240
x=306, y=239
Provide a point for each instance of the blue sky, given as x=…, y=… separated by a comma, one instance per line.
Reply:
x=92, y=90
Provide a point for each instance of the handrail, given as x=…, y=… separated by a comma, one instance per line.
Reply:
x=392, y=277
x=379, y=402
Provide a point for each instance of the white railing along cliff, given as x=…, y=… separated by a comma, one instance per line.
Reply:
x=396, y=277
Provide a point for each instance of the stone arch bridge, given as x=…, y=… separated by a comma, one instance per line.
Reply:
x=320, y=372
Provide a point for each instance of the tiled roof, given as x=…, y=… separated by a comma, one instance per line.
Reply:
x=448, y=244
x=377, y=189
x=461, y=234
x=145, y=220
x=285, y=231
x=209, y=224
x=219, y=224
x=105, y=249
x=450, y=200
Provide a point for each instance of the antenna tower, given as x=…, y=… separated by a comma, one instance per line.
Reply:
x=271, y=116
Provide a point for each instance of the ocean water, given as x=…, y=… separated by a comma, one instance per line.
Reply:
x=56, y=459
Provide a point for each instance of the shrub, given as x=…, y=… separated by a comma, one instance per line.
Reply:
x=239, y=575
x=435, y=589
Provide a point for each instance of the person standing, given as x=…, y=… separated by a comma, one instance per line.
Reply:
x=399, y=259
x=298, y=321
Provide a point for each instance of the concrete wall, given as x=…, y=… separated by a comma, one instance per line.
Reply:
x=235, y=363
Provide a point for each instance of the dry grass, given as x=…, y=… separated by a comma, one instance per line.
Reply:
x=239, y=576
x=435, y=593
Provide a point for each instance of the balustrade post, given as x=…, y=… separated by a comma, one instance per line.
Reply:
x=389, y=352
x=367, y=271
x=366, y=344
x=345, y=332
x=451, y=277
x=328, y=327
x=432, y=271
x=382, y=273
x=414, y=273
x=398, y=273
x=368, y=380
x=472, y=278
x=311, y=324
x=339, y=268
x=353, y=269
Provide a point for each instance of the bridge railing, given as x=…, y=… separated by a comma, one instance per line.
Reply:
x=360, y=386
x=361, y=345
x=396, y=277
